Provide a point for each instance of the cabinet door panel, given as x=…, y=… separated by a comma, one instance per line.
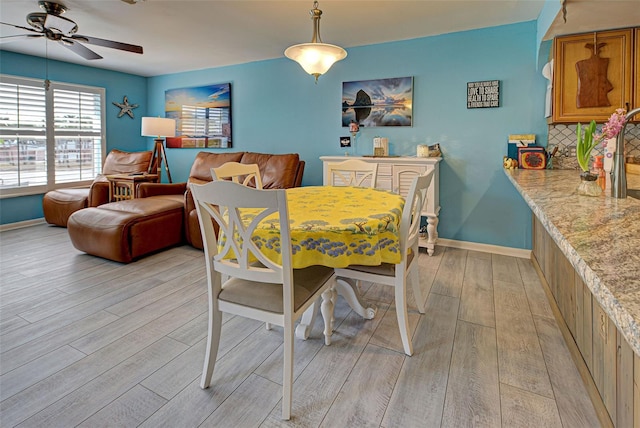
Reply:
x=550, y=249
x=535, y=244
x=565, y=284
x=584, y=322
x=624, y=384
x=384, y=169
x=604, y=358
x=403, y=175
x=384, y=183
x=636, y=390
x=578, y=72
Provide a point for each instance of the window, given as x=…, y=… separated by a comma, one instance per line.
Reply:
x=49, y=138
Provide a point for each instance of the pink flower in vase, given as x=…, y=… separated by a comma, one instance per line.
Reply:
x=588, y=141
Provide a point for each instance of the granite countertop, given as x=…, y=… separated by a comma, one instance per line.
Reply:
x=600, y=236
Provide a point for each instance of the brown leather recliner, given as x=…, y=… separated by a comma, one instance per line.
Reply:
x=278, y=171
x=59, y=204
x=118, y=162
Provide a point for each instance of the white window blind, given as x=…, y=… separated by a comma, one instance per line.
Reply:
x=51, y=138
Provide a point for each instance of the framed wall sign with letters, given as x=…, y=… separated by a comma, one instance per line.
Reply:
x=484, y=94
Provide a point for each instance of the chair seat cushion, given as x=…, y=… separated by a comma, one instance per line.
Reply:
x=268, y=297
x=385, y=269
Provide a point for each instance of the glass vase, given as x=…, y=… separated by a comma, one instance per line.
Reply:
x=589, y=185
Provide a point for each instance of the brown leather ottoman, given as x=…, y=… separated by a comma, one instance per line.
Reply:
x=126, y=230
x=59, y=204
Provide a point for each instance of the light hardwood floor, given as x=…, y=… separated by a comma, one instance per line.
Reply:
x=88, y=342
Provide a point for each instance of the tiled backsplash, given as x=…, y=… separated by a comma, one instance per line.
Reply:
x=564, y=136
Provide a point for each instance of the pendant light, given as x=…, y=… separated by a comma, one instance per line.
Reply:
x=316, y=58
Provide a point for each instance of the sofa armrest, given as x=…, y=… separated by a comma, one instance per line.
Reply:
x=157, y=189
x=99, y=192
x=299, y=173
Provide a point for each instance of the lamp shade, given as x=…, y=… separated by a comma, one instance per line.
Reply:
x=315, y=58
x=158, y=127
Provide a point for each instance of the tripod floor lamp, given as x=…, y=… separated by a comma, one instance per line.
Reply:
x=159, y=127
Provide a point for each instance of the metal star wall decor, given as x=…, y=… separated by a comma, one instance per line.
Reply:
x=125, y=107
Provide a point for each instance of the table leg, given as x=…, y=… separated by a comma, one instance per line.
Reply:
x=327, y=313
x=432, y=232
x=347, y=288
x=306, y=322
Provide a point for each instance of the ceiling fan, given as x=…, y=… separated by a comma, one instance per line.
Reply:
x=53, y=26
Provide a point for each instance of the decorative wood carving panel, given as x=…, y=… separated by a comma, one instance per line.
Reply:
x=593, y=75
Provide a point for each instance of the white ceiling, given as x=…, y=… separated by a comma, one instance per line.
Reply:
x=182, y=35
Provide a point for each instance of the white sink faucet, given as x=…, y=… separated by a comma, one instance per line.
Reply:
x=618, y=174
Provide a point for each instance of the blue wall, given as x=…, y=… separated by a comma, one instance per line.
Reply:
x=122, y=133
x=277, y=108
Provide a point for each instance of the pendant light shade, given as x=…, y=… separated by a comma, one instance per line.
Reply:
x=315, y=58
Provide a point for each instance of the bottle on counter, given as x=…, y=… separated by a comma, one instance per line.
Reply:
x=598, y=169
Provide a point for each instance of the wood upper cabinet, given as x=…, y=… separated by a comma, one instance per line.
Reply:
x=594, y=75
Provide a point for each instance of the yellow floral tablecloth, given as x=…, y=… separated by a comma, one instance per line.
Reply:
x=337, y=227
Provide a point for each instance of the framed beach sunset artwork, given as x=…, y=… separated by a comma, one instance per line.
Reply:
x=379, y=102
x=202, y=115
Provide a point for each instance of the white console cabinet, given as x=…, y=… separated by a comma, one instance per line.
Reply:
x=395, y=174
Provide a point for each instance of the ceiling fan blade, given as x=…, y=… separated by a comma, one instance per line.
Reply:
x=6, y=40
x=108, y=43
x=3, y=39
x=81, y=50
x=21, y=27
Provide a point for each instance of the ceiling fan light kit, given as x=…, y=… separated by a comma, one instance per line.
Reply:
x=316, y=58
x=57, y=28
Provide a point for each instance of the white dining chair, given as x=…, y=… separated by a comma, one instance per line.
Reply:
x=236, y=170
x=408, y=269
x=352, y=172
x=257, y=287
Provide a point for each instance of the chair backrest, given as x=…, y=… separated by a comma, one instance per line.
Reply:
x=119, y=162
x=236, y=170
x=410, y=222
x=352, y=172
x=239, y=253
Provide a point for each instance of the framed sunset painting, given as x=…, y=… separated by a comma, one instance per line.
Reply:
x=202, y=115
x=379, y=102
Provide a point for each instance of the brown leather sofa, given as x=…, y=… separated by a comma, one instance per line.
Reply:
x=164, y=215
x=278, y=171
x=59, y=204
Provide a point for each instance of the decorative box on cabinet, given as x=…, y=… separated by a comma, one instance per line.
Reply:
x=611, y=69
x=395, y=174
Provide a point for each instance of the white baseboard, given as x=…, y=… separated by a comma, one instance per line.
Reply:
x=21, y=224
x=485, y=248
